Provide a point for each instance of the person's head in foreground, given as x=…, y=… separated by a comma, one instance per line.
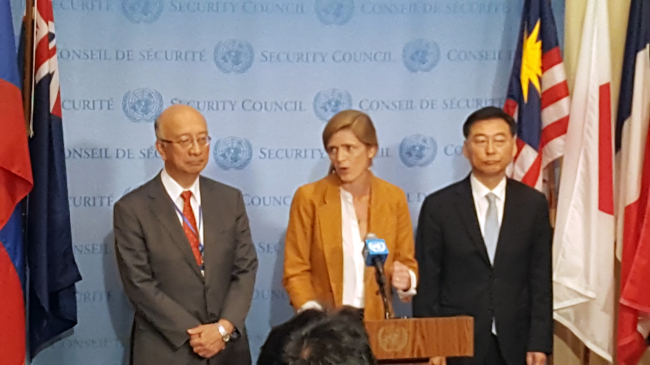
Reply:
x=339, y=338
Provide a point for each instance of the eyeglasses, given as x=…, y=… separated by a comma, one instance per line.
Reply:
x=187, y=143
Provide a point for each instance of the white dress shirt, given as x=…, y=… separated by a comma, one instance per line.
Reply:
x=480, y=192
x=354, y=265
x=174, y=190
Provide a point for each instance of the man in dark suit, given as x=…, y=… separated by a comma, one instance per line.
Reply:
x=185, y=255
x=484, y=249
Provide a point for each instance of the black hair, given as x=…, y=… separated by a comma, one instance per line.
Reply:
x=336, y=339
x=489, y=112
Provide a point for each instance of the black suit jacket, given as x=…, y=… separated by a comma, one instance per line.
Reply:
x=458, y=278
x=164, y=283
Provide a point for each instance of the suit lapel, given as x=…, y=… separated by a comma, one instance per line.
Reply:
x=378, y=209
x=379, y=218
x=214, y=221
x=467, y=211
x=162, y=208
x=329, y=219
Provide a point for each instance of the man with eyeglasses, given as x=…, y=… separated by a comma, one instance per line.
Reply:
x=185, y=254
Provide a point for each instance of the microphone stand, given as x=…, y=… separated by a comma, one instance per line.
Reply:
x=381, y=281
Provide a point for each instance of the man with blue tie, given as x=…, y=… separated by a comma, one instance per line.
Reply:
x=484, y=249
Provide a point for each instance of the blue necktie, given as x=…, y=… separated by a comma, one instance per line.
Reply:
x=491, y=229
x=491, y=234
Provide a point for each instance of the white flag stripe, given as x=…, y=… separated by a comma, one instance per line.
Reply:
x=553, y=76
x=553, y=150
x=635, y=132
x=556, y=111
x=524, y=161
x=636, y=140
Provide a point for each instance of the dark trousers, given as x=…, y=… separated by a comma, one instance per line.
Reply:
x=494, y=356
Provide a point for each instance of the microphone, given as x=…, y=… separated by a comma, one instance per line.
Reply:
x=375, y=253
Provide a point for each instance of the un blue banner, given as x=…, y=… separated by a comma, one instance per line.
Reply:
x=266, y=74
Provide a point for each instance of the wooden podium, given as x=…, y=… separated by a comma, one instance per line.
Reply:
x=415, y=340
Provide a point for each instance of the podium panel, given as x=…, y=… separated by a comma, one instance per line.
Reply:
x=415, y=340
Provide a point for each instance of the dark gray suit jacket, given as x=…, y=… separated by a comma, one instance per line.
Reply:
x=163, y=280
x=458, y=278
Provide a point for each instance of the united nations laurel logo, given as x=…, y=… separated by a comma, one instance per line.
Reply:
x=233, y=56
x=329, y=102
x=142, y=105
x=233, y=153
x=417, y=150
x=142, y=11
x=334, y=11
x=393, y=338
x=420, y=55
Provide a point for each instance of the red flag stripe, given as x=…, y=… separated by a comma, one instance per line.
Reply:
x=41, y=58
x=510, y=107
x=520, y=147
x=554, y=94
x=605, y=151
x=553, y=131
x=532, y=175
x=551, y=58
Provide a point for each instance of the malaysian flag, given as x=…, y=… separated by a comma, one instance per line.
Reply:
x=53, y=270
x=538, y=95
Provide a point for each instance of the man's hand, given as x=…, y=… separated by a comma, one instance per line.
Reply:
x=535, y=358
x=438, y=360
x=206, y=340
x=401, y=276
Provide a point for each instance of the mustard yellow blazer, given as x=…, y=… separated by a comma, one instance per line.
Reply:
x=313, y=255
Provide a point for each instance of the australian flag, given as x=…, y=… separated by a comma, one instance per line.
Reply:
x=538, y=94
x=53, y=270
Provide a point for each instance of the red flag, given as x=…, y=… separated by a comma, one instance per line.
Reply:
x=15, y=183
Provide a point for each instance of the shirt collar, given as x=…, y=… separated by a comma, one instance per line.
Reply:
x=479, y=190
x=346, y=194
x=174, y=189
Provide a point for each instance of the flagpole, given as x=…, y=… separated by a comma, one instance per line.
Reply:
x=552, y=192
x=27, y=93
x=28, y=63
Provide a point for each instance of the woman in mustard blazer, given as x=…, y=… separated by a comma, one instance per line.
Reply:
x=329, y=219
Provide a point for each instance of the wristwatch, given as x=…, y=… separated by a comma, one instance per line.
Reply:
x=224, y=333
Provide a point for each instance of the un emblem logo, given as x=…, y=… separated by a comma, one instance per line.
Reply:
x=334, y=11
x=232, y=153
x=378, y=246
x=142, y=105
x=329, y=102
x=421, y=55
x=142, y=11
x=233, y=56
x=417, y=150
